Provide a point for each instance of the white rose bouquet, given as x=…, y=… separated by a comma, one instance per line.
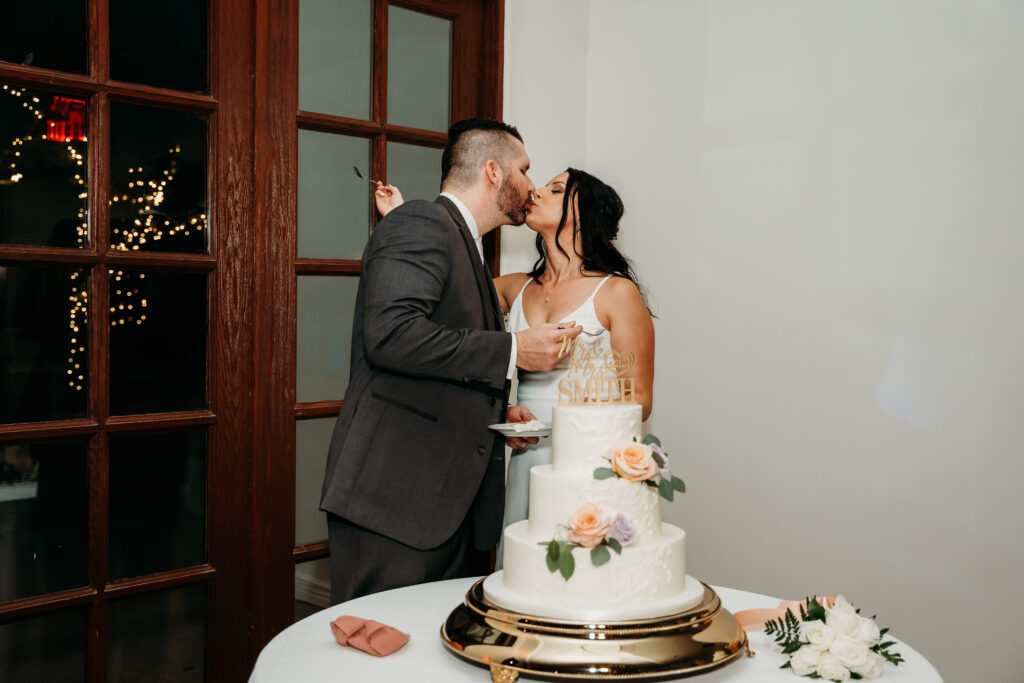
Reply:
x=832, y=642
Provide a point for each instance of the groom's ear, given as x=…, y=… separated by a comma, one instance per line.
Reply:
x=492, y=173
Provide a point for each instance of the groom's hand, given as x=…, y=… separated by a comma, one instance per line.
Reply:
x=519, y=414
x=539, y=348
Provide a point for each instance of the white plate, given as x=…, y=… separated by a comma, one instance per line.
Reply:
x=509, y=429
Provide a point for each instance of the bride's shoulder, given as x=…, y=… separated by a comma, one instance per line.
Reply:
x=618, y=287
x=508, y=287
x=619, y=294
x=511, y=281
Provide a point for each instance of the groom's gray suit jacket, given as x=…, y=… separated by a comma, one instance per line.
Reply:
x=411, y=454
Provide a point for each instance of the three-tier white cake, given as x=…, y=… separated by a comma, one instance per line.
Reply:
x=646, y=579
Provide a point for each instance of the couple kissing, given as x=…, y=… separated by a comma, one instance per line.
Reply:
x=415, y=486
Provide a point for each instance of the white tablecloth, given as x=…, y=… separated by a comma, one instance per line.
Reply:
x=307, y=651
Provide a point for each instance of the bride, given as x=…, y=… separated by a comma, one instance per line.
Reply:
x=579, y=276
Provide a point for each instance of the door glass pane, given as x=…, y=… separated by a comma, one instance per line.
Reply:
x=157, y=341
x=419, y=69
x=44, y=366
x=43, y=168
x=312, y=587
x=312, y=437
x=50, y=647
x=43, y=518
x=158, y=162
x=325, y=307
x=160, y=42
x=158, y=637
x=414, y=170
x=335, y=57
x=334, y=205
x=157, y=502
x=49, y=36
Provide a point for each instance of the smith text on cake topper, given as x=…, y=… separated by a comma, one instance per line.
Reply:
x=596, y=377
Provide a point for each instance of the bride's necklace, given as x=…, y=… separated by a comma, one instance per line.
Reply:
x=547, y=290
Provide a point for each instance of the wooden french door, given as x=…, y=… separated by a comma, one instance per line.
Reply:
x=375, y=85
x=126, y=242
x=180, y=231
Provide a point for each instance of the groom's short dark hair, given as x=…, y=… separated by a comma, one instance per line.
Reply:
x=471, y=143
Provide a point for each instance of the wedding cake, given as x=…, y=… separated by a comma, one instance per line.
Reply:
x=594, y=546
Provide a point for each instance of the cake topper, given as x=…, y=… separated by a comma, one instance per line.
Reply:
x=595, y=377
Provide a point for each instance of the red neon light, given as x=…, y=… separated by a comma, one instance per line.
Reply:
x=66, y=121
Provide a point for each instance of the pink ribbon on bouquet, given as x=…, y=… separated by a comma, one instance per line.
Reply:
x=368, y=635
x=755, y=619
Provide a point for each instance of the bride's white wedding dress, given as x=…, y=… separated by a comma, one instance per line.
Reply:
x=538, y=391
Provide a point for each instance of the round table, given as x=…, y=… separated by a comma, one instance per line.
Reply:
x=306, y=651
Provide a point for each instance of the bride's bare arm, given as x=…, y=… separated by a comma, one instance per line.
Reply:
x=508, y=287
x=622, y=311
x=387, y=198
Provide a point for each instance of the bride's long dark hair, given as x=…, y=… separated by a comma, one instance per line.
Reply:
x=599, y=212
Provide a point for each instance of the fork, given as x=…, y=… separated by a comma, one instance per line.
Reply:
x=589, y=334
x=360, y=176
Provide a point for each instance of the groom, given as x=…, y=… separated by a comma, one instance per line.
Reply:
x=414, y=487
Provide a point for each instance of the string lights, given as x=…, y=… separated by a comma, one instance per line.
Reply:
x=36, y=110
x=127, y=309
x=145, y=225
x=147, y=192
x=77, y=318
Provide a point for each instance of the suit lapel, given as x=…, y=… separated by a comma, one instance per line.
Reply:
x=485, y=286
x=499, y=319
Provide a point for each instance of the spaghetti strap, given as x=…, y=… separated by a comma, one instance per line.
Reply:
x=528, y=281
x=599, y=286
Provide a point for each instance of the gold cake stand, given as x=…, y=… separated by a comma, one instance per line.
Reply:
x=698, y=640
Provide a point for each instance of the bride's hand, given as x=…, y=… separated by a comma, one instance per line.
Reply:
x=387, y=198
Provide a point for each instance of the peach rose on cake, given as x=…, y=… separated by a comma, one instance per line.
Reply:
x=588, y=526
x=634, y=462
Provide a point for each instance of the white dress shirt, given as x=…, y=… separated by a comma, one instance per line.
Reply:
x=475, y=232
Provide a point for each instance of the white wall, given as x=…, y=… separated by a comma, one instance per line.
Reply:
x=823, y=199
x=545, y=97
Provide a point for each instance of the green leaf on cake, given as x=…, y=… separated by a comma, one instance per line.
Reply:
x=600, y=555
x=651, y=438
x=665, y=489
x=552, y=556
x=604, y=473
x=566, y=564
x=678, y=484
x=614, y=544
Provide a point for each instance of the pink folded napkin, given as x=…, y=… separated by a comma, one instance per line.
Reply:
x=368, y=635
x=754, y=619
